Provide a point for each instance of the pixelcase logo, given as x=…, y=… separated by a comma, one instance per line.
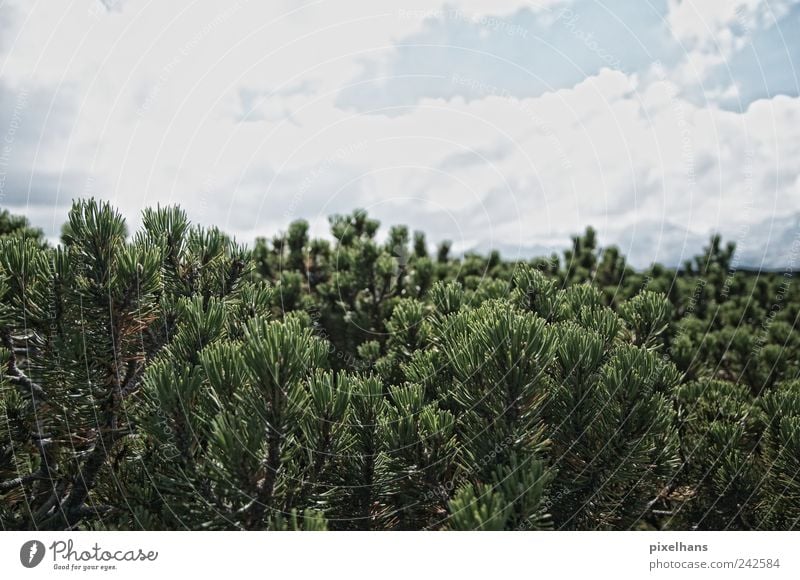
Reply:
x=31, y=553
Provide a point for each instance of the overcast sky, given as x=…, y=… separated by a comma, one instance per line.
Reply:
x=493, y=123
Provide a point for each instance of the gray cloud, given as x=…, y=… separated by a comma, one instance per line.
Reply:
x=32, y=122
x=7, y=26
x=44, y=188
x=496, y=152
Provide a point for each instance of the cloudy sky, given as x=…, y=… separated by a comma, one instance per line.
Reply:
x=494, y=123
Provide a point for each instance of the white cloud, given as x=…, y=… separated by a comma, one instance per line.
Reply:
x=712, y=33
x=722, y=23
x=232, y=111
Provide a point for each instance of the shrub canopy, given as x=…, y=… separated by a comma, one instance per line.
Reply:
x=175, y=379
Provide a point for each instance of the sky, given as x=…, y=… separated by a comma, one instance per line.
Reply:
x=499, y=124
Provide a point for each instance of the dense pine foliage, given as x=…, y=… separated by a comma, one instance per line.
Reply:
x=174, y=379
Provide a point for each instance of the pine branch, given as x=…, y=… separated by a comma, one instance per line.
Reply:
x=264, y=496
x=18, y=481
x=15, y=375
